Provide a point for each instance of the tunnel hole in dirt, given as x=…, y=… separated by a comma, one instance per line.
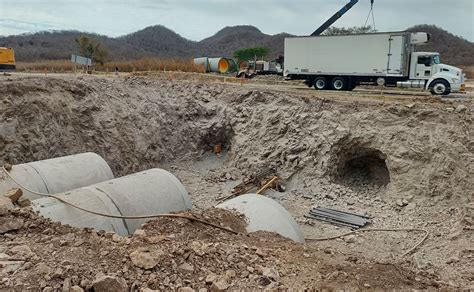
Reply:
x=361, y=166
x=217, y=138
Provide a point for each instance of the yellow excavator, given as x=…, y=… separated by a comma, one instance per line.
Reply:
x=7, y=59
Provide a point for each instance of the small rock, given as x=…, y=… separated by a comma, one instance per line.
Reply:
x=58, y=273
x=42, y=269
x=461, y=108
x=186, y=268
x=402, y=202
x=145, y=258
x=10, y=266
x=330, y=196
x=24, y=202
x=139, y=233
x=350, y=238
x=366, y=285
x=117, y=238
x=5, y=206
x=260, y=252
x=109, y=284
x=220, y=285
x=76, y=289
x=452, y=260
x=271, y=273
x=10, y=224
x=230, y=274
x=211, y=278
x=48, y=289
x=202, y=290
x=67, y=285
x=186, y=289
x=450, y=109
x=22, y=251
x=250, y=270
x=411, y=105
x=14, y=195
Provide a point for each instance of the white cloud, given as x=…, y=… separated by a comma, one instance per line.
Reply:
x=197, y=19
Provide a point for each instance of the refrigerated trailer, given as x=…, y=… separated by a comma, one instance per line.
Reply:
x=386, y=59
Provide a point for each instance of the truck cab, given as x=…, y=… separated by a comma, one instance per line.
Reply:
x=440, y=79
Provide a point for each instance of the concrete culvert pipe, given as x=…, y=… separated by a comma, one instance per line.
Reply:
x=232, y=66
x=58, y=175
x=265, y=214
x=150, y=192
x=219, y=65
x=204, y=62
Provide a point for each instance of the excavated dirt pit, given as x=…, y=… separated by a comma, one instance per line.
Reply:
x=408, y=164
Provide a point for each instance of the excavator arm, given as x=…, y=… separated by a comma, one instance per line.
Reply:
x=335, y=17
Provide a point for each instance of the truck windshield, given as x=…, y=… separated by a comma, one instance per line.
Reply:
x=436, y=59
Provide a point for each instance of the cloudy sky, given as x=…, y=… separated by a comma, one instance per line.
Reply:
x=198, y=19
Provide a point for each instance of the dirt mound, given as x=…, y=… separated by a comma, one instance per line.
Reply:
x=170, y=253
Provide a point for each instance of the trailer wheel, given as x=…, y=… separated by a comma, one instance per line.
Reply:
x=320, y=83
x=440, y=87
x=339, y=84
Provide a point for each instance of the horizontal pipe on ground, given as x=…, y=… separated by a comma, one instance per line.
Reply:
x=203, y=61
x=58, y=175
x=265, y=214
x=150, y=192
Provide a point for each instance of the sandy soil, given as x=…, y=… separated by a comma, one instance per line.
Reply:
x=417, y=156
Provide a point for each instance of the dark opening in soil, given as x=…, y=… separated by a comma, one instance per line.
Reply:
x=363, y=167
x=217, y=135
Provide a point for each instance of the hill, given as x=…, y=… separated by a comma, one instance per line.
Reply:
x=230, y=39
x=159, y=41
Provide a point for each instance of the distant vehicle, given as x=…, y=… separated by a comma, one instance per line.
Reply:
x=342, y=62
x=7, y=59
x=249, y=69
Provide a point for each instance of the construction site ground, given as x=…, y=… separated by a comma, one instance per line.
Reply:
x=403, y=157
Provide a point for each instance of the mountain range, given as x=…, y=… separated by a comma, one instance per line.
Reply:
x=159, y=41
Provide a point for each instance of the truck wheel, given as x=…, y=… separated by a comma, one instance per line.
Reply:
x=440, y=87
x=339, y=84
x=320, y=83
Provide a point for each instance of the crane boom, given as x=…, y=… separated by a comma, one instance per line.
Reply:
x=335, y=17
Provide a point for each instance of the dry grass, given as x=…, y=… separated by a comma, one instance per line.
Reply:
x=469, y=70
x=141, y=65
x=51, y=65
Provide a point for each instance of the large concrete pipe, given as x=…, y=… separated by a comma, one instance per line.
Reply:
x=150, y=192
x=204, y=62
x=264, y=214
x=219, y=65
x=232, y=66
x=58, y=175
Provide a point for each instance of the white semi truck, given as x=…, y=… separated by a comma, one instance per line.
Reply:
x=345, y=61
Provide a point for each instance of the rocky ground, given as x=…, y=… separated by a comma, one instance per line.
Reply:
x=405, y=160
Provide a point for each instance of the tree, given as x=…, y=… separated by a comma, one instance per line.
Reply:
x=350, y=30
x=93, y=49
x=250, y=53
